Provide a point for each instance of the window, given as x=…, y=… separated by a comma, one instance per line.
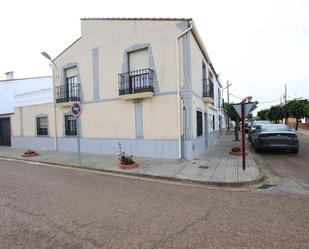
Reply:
x=42, y=126
x=70, y=125
x=71, y=83
x=204, y=77
x=213, y=122
x=219, y=97
x=199, y=123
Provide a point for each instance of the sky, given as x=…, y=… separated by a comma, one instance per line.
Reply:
x=258, y=46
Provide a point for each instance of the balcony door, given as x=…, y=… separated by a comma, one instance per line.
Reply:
x=71, y=83
x=138, y=70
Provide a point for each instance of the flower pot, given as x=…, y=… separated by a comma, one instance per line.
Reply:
x=30, y=154
x=237, y=153
x=129, y=166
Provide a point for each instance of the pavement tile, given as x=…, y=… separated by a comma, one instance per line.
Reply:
x=222, y=167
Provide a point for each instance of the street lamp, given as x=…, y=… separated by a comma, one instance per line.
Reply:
x=54, y=70
x=228, y=101
x=47, y=56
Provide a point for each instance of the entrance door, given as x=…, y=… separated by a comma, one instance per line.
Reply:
x=206, y=129
x=5, y=132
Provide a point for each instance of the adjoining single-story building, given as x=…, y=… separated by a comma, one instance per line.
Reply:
x=18, y=99
x=146, y=83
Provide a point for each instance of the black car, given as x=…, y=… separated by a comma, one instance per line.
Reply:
x=253, y=126
x=275, y=136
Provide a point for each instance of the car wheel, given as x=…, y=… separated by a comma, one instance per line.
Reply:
x=294, y=151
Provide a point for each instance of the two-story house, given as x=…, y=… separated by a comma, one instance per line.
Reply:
x=146, y=83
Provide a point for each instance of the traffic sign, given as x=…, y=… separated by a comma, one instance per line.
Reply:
x=76, y=109
x=248, y=106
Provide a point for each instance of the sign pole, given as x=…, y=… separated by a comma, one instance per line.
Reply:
x=78, y=140
x=243, y=135
x=76, y=110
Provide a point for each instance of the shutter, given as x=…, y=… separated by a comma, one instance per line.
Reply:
x=138, y=60
x=71, y=72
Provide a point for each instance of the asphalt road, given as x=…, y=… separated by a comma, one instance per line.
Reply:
x=48, y=207
x=293, y=166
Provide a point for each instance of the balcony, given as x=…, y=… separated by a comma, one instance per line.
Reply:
x=208, y=91
x=136, y=84
x=65, y=94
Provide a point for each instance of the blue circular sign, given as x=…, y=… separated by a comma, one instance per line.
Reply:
x=76, y=109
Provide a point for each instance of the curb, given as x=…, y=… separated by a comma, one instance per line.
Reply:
x=217, y=184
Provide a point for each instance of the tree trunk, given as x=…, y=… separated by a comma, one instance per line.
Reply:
x=296, y=127
x=236, y=131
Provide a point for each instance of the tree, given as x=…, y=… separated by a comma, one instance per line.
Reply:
x=232, y=114
x=263, y=114
x=297, y=109
x=275, y=113
x=306, y=109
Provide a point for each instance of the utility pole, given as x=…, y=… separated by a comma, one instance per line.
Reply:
x=285, y=101
x=285, y=94
x=228, y=101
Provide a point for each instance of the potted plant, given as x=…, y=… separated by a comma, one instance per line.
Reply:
x=29, y=153
x=236, y=151
x=126, y=161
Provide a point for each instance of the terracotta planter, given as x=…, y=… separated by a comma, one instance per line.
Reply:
x=30, y=154
x=129, y=166
x=237, y=153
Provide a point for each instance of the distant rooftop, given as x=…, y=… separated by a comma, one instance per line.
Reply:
x=135, y=19
x=28, y=78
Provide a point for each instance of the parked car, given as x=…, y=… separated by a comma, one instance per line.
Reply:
x=253, y=126
x=275, y=136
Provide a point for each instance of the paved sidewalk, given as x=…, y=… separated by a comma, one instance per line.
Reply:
x=213, y=167
x=305, y=132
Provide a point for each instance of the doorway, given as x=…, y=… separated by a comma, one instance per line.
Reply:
x=5, y=132
x=206, y=129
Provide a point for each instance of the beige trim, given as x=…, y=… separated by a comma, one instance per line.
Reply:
x=208, y=99
x=136, y=96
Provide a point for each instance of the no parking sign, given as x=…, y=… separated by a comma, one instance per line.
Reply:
x=76, y=109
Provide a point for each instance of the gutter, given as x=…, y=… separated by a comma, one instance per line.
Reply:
x=178, y=85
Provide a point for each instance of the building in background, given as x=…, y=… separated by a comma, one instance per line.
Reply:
x=148, y=84
x=17, y=96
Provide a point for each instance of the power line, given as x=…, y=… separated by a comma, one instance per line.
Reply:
x=265, y=102
x=236, y=96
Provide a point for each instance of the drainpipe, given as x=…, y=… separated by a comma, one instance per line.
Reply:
x=54, y=68
x=178, y=86
x=54, y=104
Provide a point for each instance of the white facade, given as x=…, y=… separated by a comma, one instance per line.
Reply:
x=25, y=92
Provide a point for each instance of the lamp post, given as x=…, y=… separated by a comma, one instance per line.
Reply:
x=54, y=71
x=228, y=101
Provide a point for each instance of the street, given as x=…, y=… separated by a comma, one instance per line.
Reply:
x=54, y=207
x=292, y=166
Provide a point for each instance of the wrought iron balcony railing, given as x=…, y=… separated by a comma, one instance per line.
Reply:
x=67, y=93
x=208, y=89
x=135, y=81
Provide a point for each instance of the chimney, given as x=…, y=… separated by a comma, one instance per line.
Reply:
x=9, y=75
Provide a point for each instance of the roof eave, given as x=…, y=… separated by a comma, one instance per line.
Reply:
x=203, y=49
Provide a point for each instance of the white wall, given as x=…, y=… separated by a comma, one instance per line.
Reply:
x=24, y=92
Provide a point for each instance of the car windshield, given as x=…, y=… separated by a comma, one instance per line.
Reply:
x=268, y=128
x=256, y=123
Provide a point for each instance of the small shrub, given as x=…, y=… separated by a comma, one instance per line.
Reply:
x=123, y=157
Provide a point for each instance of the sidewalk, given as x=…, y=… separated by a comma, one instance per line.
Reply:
x=213, y=167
